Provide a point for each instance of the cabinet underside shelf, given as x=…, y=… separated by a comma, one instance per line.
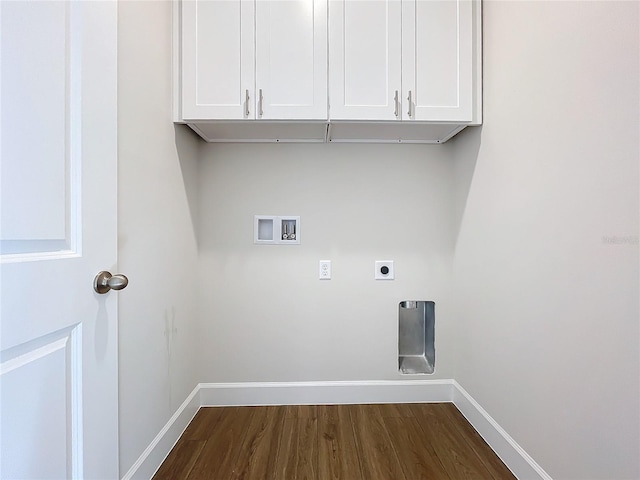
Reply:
x=313, y=131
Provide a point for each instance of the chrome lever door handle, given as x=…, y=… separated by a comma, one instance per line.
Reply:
x=395, y=99
x=104, y=282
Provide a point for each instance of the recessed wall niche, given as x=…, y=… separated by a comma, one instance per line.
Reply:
x=276, y=230
x=416, y=328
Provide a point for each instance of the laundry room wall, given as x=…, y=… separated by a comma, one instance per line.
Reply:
x=265, y=315
x=157, y=247
x=546, y=258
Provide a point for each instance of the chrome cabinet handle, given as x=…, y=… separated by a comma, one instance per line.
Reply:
x=104, y=282
x=260, y=98
x=395, y=99
x=409, y=99
x=246, y=103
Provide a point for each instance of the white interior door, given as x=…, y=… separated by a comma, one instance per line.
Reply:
x=58, y=344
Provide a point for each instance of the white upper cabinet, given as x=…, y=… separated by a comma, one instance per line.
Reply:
x=328, y=70
x=365, y=59
x=291, y=59
x=401, y=60
x=218, y=44
x=253, y=60
x=437, y=54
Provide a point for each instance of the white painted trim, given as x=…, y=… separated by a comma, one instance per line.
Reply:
x=176, y=60
x=75, y=394
x=38, y=256
x=342, y=392
x=322, y=393
x=512, y=454
x=33, y=355
x=148, y=463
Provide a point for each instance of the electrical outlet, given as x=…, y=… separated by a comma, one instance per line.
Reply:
x=384, y=270
x=325, y=270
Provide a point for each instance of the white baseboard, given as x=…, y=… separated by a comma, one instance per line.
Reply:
x=511, y=454
x=319, y=393
x=323, y=393
x=148, y=463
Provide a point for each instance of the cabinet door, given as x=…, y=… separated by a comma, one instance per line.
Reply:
x=291, y=59
x=437, y=65
x=217, y=59
x=365, y=59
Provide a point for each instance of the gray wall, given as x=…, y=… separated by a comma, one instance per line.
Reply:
x=546, y=259
x=157, y=243
x=265, y=316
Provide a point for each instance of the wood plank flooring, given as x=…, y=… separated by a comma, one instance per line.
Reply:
x=331, y=442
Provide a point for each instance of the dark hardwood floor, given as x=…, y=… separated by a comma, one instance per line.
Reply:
x=328, y=442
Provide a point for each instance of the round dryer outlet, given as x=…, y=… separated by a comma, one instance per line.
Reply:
x=384, y=270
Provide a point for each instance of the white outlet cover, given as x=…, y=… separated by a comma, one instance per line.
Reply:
x=382, y=276
x=324, y=270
